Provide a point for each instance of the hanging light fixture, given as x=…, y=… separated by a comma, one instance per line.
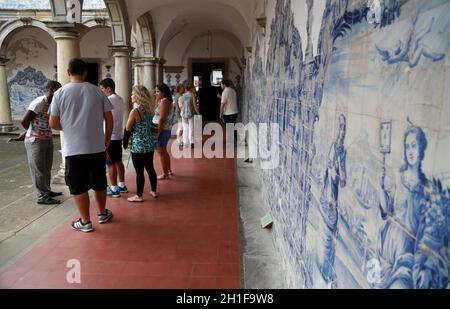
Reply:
x=209, y=43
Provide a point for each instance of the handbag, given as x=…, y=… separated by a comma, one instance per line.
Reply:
x=126, y=138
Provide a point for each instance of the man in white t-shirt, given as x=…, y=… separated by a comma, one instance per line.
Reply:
x=39, y=145
x=228, y=106
x=114, y=162
x=79, y=109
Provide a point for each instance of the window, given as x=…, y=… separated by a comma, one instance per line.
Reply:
x=216, y=77
x=197, y=82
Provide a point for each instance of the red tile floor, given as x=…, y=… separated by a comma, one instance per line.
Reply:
x=187, y=238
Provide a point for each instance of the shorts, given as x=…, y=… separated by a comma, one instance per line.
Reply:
x=85, y=172
x=114, y=152
x=164, y=138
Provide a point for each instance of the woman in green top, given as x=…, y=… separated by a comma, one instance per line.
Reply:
x=143, y=145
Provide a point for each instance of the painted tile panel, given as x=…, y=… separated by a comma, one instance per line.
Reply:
x=362, y=195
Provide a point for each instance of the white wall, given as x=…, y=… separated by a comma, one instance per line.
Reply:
x=185, y=46
x=94, y=48
x=169, y=21
x=31, y=47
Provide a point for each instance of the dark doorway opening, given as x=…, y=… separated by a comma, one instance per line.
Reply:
x=207, y=74
x=92, y=76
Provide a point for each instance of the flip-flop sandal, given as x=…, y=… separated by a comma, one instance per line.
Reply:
x=163, y=177
x=135, y=199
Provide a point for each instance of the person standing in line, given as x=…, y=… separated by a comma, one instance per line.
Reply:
x=79, y=109
x=188, y=110
x=193, y=90
x=39, y=145
x=179, y=92
x=228, y=107
x=116, y=169
x=163, y=118
x=143, y=144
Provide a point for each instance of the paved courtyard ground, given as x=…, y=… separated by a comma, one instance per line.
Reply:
x=17, y=196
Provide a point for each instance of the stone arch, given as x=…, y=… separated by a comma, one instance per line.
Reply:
x=30, y=49
x=97, y=22
x=120, y=25
x=146, y=35
x=8, y=30
x=94, y=23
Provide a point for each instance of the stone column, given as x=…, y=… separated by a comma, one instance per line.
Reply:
x=160, y=70
x=152, y=75
x=6, y=124
x=67, y=48
x=137, y=73
x=146, y=74
x=122, y=56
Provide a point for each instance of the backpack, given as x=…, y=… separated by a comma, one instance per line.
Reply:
x=173, y=116
x=187, y=111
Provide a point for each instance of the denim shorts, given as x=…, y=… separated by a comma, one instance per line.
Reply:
x=164, y=138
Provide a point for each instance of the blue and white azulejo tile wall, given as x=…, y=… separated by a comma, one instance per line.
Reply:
x=361, y=198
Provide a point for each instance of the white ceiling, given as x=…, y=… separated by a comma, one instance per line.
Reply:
x=194, y=17
x=138, y=7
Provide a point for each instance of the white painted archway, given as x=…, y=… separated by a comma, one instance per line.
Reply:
x=8, y=30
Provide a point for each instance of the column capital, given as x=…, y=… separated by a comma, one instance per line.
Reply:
x=136, y=61
x=122, y=51
x=154, y=60
x=3, y=60
x=144, y=60
x=66, y=30
x=161, y=61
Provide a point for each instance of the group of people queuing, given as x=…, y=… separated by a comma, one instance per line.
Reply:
x=92, y=120
x=187, y=106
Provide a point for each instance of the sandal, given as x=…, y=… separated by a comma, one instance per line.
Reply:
x=163, y=177
x=154, y=194
x=135, y=199
x=171, y=173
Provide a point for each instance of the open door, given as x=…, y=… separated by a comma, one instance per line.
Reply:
x=207, y=77
x=92, y=76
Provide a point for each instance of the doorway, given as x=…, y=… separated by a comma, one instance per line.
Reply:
x=92, y=73
x=207, y=77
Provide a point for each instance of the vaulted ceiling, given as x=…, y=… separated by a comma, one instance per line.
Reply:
x=171, y=19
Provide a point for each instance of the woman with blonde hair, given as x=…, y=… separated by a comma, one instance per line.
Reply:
x=143, y=145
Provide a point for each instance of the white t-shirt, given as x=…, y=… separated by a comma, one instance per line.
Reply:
x=230, y=101
x=80, y=108
x=39, y=126
x=118, y=112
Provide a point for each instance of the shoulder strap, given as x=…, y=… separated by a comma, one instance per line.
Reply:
x=139, y=113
